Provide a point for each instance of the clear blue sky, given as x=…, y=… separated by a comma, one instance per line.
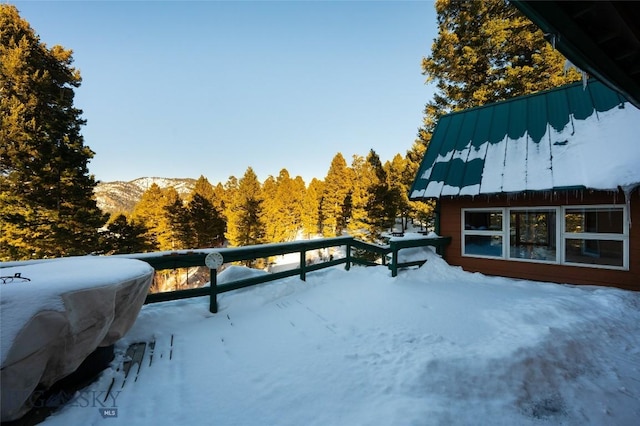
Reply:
x=183, y=89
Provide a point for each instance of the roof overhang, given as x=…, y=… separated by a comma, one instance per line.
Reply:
x=601, y=38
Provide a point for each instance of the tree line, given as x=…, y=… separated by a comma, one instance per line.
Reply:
x=485, y=51
x=362, y=198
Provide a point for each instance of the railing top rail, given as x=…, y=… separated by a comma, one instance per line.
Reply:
x=234, y=254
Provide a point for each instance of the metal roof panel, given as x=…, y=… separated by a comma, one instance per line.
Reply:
x=548, y=140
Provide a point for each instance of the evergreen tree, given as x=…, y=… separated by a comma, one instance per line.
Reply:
x=244, y=212
x=230, y=188
x=161, y=211
x=205, y=223
x=125, y=236
x=46, y=193
x=174, y=230
x=219, y=200
x=171, y=226
x=364, y=178
x=382, y=207
x=204, y=188
x=399, y=182
x=310, y=216
x=298, y=192
x=336, y=197
x=282, y=206
x=270, y=209
x=199, y=223
x=486, y=51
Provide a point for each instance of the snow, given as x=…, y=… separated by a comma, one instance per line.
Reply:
x=514, y=176
x=598, y=152
x=49, y=280
x=435, y=345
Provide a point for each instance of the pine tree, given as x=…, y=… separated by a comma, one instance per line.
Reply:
x=298, y=191
x=244, y=212
x=336, y=197
x=270, y=208
x=125, y=236
x=46, y=192
x=282, y=206
x=220, y=200
x=399, y=182
x=486, y=51
x=204, y=188
x=198, y=223
x=310, y=216
x=364, y=178
x=205, y=223
x=230, y=188
x=382, y=208
x=170, y=227
x=162, y=212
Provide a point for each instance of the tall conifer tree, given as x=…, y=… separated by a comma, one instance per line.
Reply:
x=336, y=197
x=364, y=178
x=486, y=51
x=199, y=223
x=310, y=216
x=161, y=211
x=124, y=236
x=46, y=192
x=282, y=206
x=244, y=212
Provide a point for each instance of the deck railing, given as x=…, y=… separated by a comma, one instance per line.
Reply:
x=378, y=255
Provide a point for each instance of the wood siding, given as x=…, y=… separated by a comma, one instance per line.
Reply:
x=451, y=223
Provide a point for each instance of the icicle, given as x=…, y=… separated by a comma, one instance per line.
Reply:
x=628, y=189
x=585, y=77
x=567, y=66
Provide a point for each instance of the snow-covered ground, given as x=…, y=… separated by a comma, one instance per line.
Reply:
x=434, y=346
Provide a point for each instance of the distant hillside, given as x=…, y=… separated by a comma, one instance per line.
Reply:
x=122, y=196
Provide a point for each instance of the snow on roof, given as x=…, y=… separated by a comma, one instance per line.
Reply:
x=569, y=137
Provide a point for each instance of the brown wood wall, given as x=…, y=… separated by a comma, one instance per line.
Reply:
x=450, y=225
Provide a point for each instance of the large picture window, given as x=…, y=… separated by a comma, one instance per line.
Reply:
x=596, y=236
x=532, y=234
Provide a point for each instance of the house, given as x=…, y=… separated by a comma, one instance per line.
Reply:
x=541, y=187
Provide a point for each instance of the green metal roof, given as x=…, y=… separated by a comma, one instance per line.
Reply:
x=549, y=140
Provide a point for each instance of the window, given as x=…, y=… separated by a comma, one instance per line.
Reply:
x=595, y=236
x=483, y=233
x=532, y=234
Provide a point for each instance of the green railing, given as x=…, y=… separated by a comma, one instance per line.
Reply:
x=185, y=259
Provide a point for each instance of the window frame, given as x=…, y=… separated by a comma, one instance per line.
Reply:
x=561, y=236
x=483, y=232
x=604, y=236
x=557, y=233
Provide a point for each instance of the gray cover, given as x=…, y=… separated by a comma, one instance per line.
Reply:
x=52, y=343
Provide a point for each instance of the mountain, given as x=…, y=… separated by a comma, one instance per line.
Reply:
x=122, y=196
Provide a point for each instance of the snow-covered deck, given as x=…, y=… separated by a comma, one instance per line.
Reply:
x=435, y=345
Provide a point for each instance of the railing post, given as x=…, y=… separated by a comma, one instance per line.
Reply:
x=394, y=259
x=303, y=264
x=213, y=295
x=348, y=264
